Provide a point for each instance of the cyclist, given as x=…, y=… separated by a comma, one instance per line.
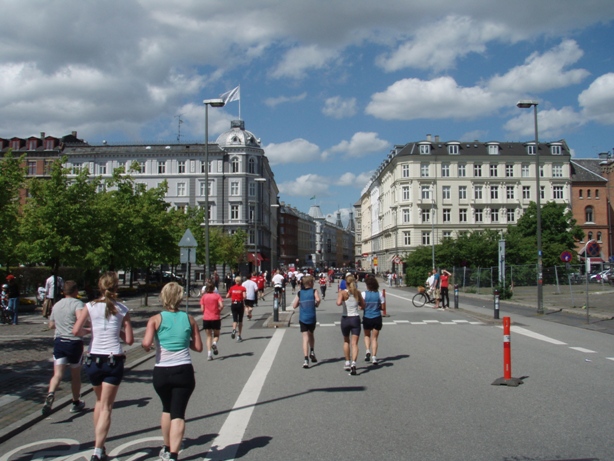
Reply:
x=278, y=281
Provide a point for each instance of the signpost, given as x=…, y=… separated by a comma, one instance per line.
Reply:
x=187, y=255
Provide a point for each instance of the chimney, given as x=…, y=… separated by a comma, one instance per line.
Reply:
x=74, y=133
x=42, y=135
x=428, y=137
x=436, y=138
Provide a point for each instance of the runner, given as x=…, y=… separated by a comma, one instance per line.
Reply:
x=260, y=280
x=211, y=305
x=351, y=300
x=175, y=333
x=323, y=284
x=308, y=299
x=251, y=288
x=292, y=276
x=104, y=364
x=237, y=295
x=372, y=318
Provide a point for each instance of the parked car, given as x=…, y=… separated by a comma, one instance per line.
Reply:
x=600, y=276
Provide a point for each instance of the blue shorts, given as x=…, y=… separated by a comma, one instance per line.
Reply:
x=350, y=325
x=67, y=351
x=100, y=369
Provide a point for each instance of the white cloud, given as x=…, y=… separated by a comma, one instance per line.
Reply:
x=300, y=60
x=551, y=123
x=350, y=179
x=272, y=102
x=295, y=151
x=542, y=72
x=338, y=107
x=597, y=100
x=360, y=145
x=305, y=186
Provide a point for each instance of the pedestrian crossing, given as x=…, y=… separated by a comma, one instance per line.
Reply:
x=407, y=322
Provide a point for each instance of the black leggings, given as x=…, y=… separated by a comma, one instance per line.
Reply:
x=174, y=386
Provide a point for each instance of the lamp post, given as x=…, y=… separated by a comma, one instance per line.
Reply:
x=207, y=103
x=433, y=232
x=527, y=104
x=257, y=221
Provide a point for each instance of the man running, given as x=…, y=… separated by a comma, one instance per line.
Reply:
x=251, y=288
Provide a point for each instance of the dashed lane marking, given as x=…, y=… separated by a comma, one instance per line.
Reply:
x=581, y=349
x=406, y=322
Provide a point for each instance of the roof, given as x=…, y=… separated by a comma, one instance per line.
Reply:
x=587, y=170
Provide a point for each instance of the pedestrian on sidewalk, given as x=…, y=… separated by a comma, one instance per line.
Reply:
x=53, y=292
x=211, y=304
x=13, y=294
x=175, y=333
x=308, y=299
x=444, y=283
x=67, y=347
x=104, y=363
x=237, y=295
x=372, y=318
x=351, y=300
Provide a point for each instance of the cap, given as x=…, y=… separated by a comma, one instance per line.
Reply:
x=10, y=277
x=348, y=274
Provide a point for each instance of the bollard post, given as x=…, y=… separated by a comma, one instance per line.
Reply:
x=456, y=296
x=497, y=304
x=384, y=314
x=507, y=379
x=283, y=299
x=276, y=302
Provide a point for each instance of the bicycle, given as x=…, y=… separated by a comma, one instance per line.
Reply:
x=421, y=298
x=195, y=291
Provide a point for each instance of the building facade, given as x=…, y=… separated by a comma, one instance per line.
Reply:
x=426, y=191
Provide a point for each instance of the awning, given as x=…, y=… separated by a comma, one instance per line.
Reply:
x=252, y=259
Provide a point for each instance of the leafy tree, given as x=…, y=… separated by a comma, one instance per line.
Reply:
x=12, y=177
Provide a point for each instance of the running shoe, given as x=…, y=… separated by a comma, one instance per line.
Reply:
x=164, y=455
x=239, y=339
x=306, y=364
x=48, y=404
x=214, y=347
x=209, y=358
x=103, y=457
x=346, y=366
x=233, y=334
x=368, y=357
x=77, y=407
x=312, y=357
x=375, y=361
x=353, y=370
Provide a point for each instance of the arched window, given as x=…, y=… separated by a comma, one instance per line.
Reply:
x=580, y=193
x=588, y=193
x=590, y=236
x=596, y=193
x=235, y=165
x=599, y=236
x=588, y=214
x=251, y=165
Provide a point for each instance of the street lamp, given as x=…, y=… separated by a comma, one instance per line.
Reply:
x=433, y=232
x=207, y=103
x=257, y=221
x=527, y=104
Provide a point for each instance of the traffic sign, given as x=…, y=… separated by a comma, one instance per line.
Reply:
x=397, y=260
x=566, y=256
x=188, y=240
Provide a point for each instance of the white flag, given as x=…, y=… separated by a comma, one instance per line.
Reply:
x=232, y=95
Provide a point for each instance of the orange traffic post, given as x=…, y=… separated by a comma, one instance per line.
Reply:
x=384, y=305
x=507, y=379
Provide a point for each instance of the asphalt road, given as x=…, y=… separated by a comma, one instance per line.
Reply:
x=431, y=398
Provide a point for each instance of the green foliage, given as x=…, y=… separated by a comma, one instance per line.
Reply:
x=12, y=176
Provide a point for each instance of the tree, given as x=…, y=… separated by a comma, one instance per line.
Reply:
x=12, y=176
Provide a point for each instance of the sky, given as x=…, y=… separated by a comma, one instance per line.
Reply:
x=329, y=86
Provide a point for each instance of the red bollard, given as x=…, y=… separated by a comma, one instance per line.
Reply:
x=507, y=379
x=384, y=305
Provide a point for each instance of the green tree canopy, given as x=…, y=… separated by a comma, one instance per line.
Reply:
x=12, y=177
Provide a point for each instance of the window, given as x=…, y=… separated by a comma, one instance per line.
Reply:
x=588, y=193
x=524, y=172
x=462, y=170
x=493, y=170
x=405, y=215
x=557, y=192
x=405, y=171
x=234, y=212
x=590, y=236
x=494, y=215
x=509, y=192
x=425, y=149
x=181, y=190
x=526, y=192
x=251, y=165
x=252, y=214
x=462, y=215
x=181, y=166
x=462, y=192
x=161, y=167
x=580, y=194
x=203, y=165
x=426, y=238
x=511, y=215
x=426, y=192
x=477, y=170
x=557, y=171
x=407, y=238
x=49, y=144
x=447, y=215
x=48, y=165
x=234, y=163
x=426, y=216
x=531, y=149
x=76, y=168
x=234, y=188
x=453, y=149
x=201, y=188
x=446, y=192
x=447, y=234
x=424, y=170
x=555, y=150
x=445, y=170
x=252, y=189
x=31, y=168
x=493, y=149
x=479, y=213
x=405, y=193
x=541, y=171
x=509, y=171
x=596, y=193
x=141, y=167
x=102, y=168
x=599, y=236
x=494, y=192
x=588, y=214
x=542, y=192
x=477, y=193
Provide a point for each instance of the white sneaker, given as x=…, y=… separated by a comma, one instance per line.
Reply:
x=346, y=366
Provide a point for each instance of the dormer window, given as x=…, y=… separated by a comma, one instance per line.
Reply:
x=425, y=149
x=555, y=149
x=453, y=149
x=531, y=149
x=493, y=149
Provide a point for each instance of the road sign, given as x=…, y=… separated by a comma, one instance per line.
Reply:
x=187, y=245
x=397, y=260
x=188, y=240
x=566, y=256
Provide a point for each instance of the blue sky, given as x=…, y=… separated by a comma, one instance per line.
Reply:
x=329, y=86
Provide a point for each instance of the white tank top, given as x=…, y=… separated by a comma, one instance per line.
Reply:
x=350, y=307
x=105, y=331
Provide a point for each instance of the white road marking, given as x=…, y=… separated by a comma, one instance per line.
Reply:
x=400, y=321
x=531, y=334
x=581, y=349
x=226, y=444
x=610, y=358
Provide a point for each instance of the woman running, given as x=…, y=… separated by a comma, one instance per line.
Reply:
x=351, y=300
x=175, y=333
x=372, y=318
x=212, y=305
x=308, y=299
x=237, y=295
x=104, y=362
